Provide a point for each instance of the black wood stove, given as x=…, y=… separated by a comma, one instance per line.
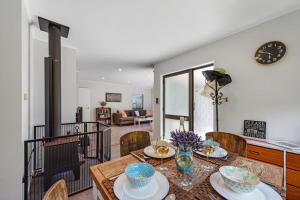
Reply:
x=61, y=154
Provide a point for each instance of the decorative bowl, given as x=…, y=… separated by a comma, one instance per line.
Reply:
x=239, y=179
x=139, y=174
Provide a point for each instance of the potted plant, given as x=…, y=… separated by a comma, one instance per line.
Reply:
x=103, y=103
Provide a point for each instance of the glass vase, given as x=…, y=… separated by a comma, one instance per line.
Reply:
x=184, y=164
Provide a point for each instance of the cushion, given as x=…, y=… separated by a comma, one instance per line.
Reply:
x=128, y=112
x=123, y=114
x=137, y=113
x=148, y=112
x=142, y=113
x=132, y=113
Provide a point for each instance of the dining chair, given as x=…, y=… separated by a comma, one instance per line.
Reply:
x=134, y=141
x=231, y=142
x=58, y=191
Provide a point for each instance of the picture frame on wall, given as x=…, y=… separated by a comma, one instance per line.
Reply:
x=113, y=97
x=137, y=101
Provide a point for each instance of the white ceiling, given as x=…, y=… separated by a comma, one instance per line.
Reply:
x=133, y=34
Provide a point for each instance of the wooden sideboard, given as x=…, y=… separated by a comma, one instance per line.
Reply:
x=274, y=156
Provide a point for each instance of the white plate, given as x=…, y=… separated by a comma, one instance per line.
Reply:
x=218, y=153
x=149, y=151
x=261, y=192
x=157, y=189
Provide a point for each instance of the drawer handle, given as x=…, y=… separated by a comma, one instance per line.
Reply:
x=254, y=152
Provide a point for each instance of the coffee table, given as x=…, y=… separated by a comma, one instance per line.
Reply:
x=142, y=119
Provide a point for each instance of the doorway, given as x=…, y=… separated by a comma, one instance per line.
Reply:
x=183, y=97
x=84, y=101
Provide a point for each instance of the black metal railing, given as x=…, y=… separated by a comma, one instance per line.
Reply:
x=68, y=157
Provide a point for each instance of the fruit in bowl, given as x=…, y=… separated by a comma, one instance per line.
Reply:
x=139, y=174
x=239, y=179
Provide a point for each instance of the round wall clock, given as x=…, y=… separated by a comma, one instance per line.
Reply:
x=270, y=52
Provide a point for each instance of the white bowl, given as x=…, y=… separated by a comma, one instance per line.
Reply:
x=239, y=179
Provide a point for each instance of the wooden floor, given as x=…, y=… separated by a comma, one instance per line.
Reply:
x=37, y=183
x=118, y=131
x=86, y=195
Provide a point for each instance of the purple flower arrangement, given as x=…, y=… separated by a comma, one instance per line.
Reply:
x=186, y=139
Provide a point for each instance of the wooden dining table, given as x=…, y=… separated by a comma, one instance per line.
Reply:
x=104, y=174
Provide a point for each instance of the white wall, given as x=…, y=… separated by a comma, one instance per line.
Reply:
x=267, y=93
x=11, y=147
x=69, y=83
x=25, y=71
x=98, y=90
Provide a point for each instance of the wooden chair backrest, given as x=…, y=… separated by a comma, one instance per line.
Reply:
x=134, y=141
x=58, y=191
x=230, y=142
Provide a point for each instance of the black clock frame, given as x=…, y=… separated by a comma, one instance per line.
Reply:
x=266, y=53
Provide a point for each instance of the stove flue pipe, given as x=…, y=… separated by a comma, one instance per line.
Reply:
x=53, y=76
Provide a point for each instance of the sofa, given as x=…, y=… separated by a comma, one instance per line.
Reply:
x=119, y=118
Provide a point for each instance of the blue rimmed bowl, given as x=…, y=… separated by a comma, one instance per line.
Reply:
x=239, y=179
x=139, y=174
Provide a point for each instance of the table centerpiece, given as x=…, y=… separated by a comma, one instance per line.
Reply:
x=186, y=142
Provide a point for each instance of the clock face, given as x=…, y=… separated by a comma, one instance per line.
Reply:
x=270, y=52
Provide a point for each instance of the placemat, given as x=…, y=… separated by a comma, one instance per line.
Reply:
x=199, y=191
x=268, y=173
x=174, y=189
x=220, y=161
x=152, y=161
